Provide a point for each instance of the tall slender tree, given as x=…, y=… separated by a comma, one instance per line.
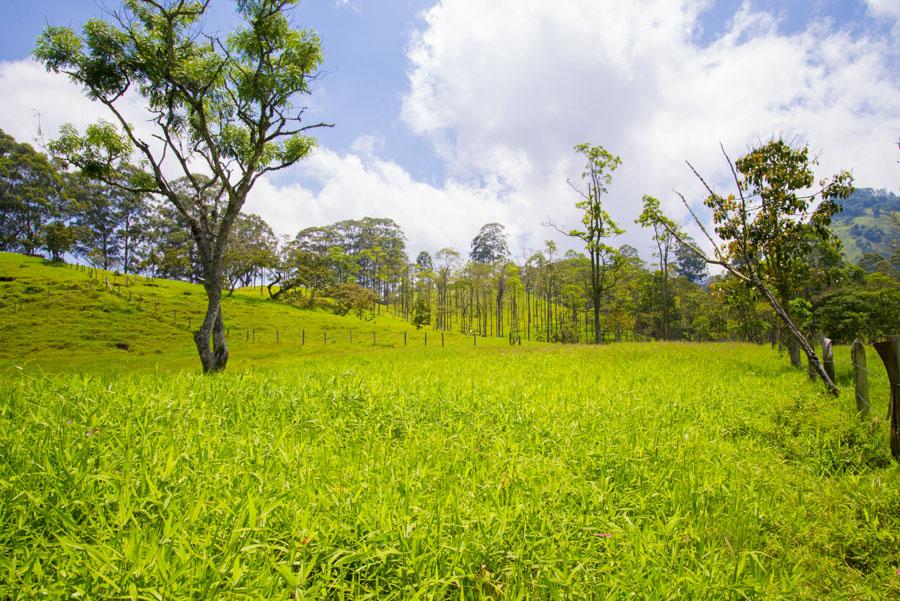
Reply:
x=664, y=241
x=597, y=225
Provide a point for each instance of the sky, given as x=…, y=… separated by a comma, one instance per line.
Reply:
x=450, y=114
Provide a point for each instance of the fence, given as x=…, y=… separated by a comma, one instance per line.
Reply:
x=123, y=286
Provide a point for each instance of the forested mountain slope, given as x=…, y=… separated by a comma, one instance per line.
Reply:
x=869, y=223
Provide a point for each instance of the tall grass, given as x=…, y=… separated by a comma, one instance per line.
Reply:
x=662, y=471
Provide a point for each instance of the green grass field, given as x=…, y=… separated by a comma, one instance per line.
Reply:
x=58, y=317
x=343, y=470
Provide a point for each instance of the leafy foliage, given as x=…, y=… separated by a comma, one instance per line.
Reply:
x=489, y=246
x=31, y=195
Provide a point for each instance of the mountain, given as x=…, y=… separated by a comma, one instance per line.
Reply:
x=869, y=223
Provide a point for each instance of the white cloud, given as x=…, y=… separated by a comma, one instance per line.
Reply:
x=350, y=186
x=33, y=97
x=508, y=87
x=889, y=9
x=36, y=103
x=360, y=184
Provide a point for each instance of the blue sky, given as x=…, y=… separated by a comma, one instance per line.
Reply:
x=365, y=43
x=452, y=113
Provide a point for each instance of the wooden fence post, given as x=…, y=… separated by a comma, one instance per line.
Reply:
x=889, y=351
x=442, y=339
x=426, y=338
x=404, y=338
x=277, y=337
x=474, y=340
x=351, y=336
x=302, y=337
x=811, y=372
x=324, y=337
x=373, y=338
x=860, y=376
x=828, y=357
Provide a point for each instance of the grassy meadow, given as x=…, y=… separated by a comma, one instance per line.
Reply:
x=63, y=317
x=347, y=471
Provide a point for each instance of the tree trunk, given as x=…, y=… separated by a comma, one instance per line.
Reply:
x=889, y=351
x=793, y=346
x=215, y=357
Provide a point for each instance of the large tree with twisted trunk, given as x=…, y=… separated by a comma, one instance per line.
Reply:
x=229, y=107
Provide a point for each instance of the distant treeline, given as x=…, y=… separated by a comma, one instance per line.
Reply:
x=364, y=266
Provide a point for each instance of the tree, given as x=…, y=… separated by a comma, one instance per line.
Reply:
x=688, y=264
x=350, y=296
x=489, y=246
x=766, y=230
x=597, y=225
x=58, y=238
x=786, y=223
x=230, y=104
x=166, y=248
x=251, y=250
x=31, y=194
x=421, y=312
x=106, y=218
x=424, y=261
x=446, y=261
x=309, y=262
x=664, y=242
x=868, y=310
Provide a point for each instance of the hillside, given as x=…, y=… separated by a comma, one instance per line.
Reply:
x=868, y=223
x=59, y=316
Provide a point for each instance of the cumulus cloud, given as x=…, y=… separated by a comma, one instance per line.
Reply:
x=360, y=184
x=37, y=103
x=34, y=98
x=508, y=87
x=338, y=186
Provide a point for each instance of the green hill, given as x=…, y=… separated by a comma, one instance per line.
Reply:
x=60, y=316
x=869, y=223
